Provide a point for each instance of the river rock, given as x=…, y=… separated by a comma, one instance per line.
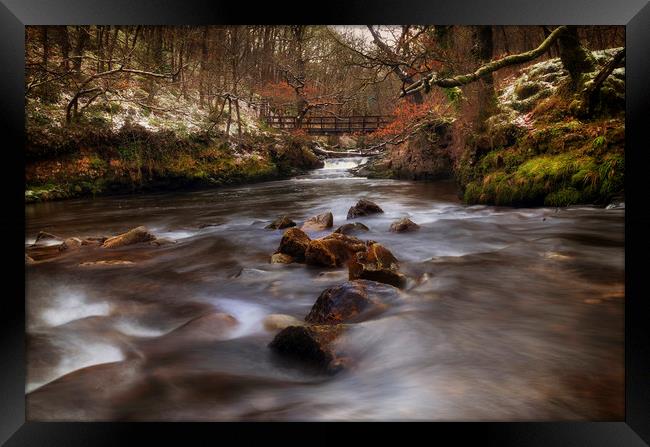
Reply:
x=294, y=243
x=71, y=243
x=377, y=263
x=281, y=258
x=403, y=226
x=364, y=208
x=281, y=223
x=352, y=228
x=276, y=322
x=319, y=223
x=333, y=250
x=351, y=302
x=311, y=345
x=134, y=236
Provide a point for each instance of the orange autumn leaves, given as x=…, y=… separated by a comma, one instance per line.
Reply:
x=279, y=93
x=407, y=113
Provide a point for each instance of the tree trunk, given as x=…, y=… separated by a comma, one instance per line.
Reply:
x=82, y=39
x=575, y=58
x=111, y=47
x=483, y=48
x=64, y=42
x=204, y=63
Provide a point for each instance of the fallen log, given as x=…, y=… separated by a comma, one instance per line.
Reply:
x=343, y=154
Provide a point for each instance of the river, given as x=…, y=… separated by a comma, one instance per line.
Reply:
x=518, y=314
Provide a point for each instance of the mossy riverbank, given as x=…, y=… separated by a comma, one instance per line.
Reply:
x=553, y=164
x=76, y=163
x=539, y=149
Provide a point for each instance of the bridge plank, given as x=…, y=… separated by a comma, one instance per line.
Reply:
x=327, y=124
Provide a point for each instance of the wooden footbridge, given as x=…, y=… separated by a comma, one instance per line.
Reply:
x=329, y=125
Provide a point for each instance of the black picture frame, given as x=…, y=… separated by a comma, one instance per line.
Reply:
x=16, y=14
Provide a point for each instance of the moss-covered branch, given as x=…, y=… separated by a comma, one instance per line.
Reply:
x=459, y=80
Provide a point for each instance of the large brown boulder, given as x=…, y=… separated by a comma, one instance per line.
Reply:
x=294, y=242
x=319, y=223
x=352, y=228
x=404, y=225
x=351, y=302
x=377, y=263
x=134, y=236
x=281, y=223
x=333, y=250
x=364, y=208
x=311, y=345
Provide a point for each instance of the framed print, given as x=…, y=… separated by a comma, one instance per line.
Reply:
x=400, y=212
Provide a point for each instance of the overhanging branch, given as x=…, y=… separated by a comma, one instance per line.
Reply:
x=456, y=81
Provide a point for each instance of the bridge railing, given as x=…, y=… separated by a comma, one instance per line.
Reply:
x=330, y=124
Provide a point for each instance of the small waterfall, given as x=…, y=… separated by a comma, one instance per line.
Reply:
x=344, y=163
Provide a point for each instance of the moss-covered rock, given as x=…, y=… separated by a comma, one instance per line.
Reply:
x=540, y=150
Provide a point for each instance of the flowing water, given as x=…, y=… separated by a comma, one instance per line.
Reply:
x=513, y=314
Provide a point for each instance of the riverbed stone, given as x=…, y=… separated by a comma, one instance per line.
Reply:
x=70, y=244
x=294, y=242
x=310, y=345
x=404, y=225
x=351, y=302
x=352, y=228
x=332, y=250
x=377, y=263
x=280, y=223
x=133, y=236
x=319, y=222
x=364, y=208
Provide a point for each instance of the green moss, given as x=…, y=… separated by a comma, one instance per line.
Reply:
x=599, y=142
x=553, y=180
x=454, y=96
x=563, y=197
x=472, y=192
x=525, y=90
